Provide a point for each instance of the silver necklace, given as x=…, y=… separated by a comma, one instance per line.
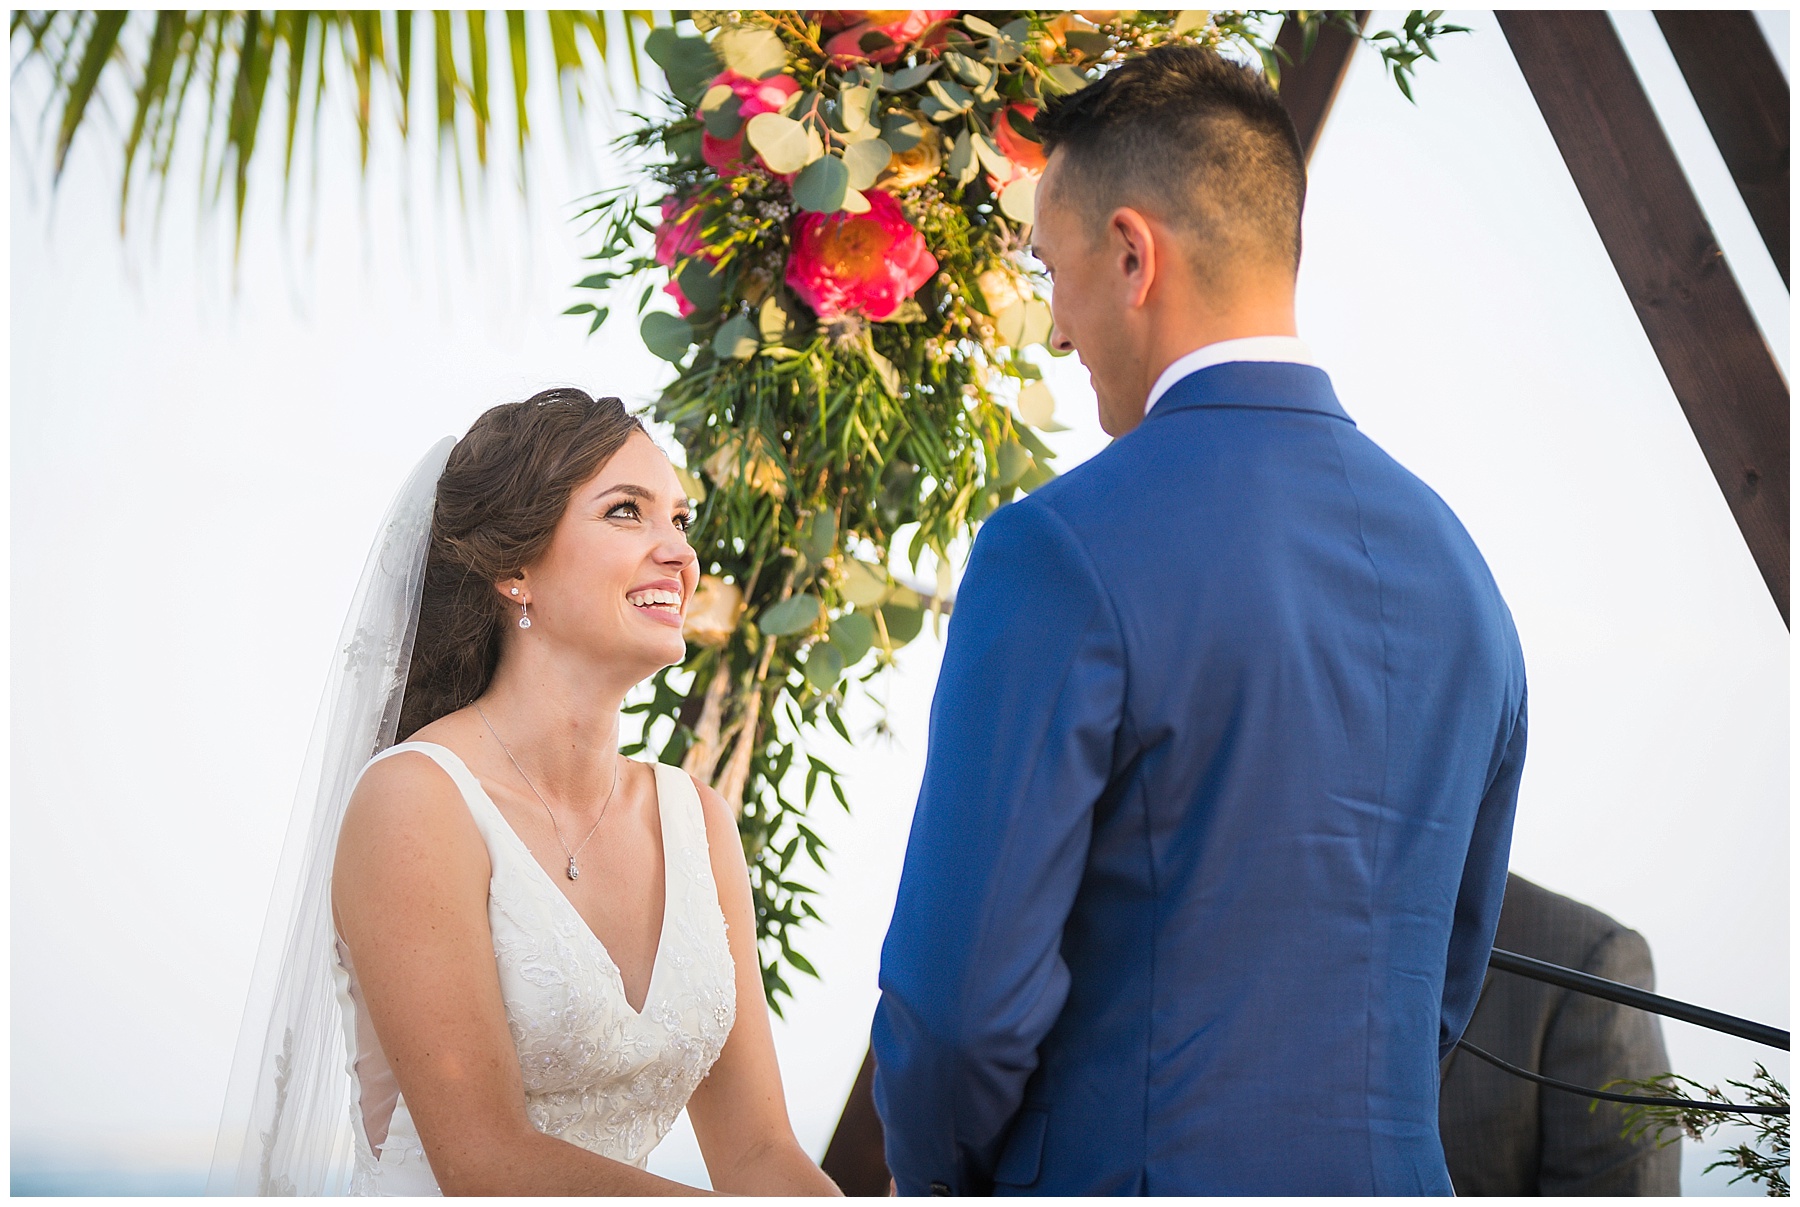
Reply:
x=574, y=872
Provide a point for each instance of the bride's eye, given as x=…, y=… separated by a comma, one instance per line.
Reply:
x=630, y=509
x=684, y=520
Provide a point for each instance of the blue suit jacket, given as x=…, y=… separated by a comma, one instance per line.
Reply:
x=1214, y=827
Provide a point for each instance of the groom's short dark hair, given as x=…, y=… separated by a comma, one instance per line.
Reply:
x=1199, y=141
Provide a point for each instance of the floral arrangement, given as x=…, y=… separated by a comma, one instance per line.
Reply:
x=841, y=213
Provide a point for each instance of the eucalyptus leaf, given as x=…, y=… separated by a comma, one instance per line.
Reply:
x=950, y=95
x=737, y=339
x=854, y=105
x=1036, y=476
x=962, y=164
x=795, y=614
x=1089, y=43
x=908, y=78
x=903, y=623
x=977, y=25
x=908, y=311
x=686, y=146
x=822, y=184
x=1013, y=460
x=818, y=537
x=863, y=584
x=781, y=141
x=1037, y=406
x=884, y=369
x=757, y=53
x=976, y=75
x=1190, y=20
x=690, y=63
x=773, y=322
x=719, y=110
x=866, y=161
x=902, y=132
x=990, y=156
x=824, y=666
x=666, y=335
x=1064, y=79
x=855, y=202
x=852, y=634
x=1018, y=200
x=1008, y=42
x=701, y=285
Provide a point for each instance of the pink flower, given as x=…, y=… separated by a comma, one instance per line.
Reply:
x=726, y=155
x=679, y=240
x=900, y=26
x=1024, y=157
x=862, y=263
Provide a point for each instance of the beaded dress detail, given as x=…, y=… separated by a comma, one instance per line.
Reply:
x=597, y=1073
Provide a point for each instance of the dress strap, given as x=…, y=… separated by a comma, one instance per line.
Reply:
x=488, y=818
x=679, y=801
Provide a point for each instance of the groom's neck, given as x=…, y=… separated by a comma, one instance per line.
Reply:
x=1191, y=319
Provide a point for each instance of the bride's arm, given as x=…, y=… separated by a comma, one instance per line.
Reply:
x=409, y=892
x=739, y=1114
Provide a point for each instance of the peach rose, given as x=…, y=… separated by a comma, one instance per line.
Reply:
x=914, y=167
x=1025, y=157
x=900, y=26
x=858, y=263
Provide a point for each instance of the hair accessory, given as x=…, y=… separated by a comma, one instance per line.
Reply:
x=524, y=616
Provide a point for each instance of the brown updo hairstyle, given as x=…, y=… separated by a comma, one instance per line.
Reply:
x=502, y=492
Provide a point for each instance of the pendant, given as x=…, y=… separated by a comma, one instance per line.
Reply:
x=574, y=872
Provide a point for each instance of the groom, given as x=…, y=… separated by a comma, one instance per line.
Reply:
x=1214, y=825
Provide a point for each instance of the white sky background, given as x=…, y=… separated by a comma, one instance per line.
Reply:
x=197, y=477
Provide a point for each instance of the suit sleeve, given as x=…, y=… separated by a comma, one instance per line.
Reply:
x=1483, y=887
x=1023, y=725
x=1592, y=1042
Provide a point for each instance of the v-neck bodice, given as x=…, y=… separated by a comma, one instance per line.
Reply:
x=596, y=1072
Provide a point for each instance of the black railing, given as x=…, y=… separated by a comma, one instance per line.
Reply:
x=1640, y=999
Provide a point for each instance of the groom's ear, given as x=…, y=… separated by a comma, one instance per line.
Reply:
x=1134, y=244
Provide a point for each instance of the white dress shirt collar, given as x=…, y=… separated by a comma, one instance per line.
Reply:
x=1284, y=348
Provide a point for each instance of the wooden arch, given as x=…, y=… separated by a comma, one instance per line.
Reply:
x=1645, y=211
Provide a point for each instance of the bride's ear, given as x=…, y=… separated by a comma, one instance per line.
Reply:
x=513, y=589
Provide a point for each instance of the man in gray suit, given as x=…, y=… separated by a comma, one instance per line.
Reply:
x=1504, y=1135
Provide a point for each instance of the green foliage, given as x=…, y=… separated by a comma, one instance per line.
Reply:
x=1763, y=1158
x=830, y=444
x=250, y=63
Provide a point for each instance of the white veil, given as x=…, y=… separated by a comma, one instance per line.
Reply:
x=287, y=1125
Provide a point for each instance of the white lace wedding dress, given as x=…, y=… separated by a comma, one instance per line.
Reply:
x=598, y=1074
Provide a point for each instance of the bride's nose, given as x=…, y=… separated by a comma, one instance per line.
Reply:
x=674, y=551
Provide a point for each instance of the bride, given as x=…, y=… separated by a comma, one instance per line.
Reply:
x=509, y=956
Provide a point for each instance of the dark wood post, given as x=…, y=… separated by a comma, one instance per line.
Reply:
x=855, y=1159
x=1310, y=83
x=1743, y=96
x=1690, y=306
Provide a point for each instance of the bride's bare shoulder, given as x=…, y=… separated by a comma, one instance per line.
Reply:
x=406, y=805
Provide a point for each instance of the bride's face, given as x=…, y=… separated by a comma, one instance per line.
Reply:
x=615, y=582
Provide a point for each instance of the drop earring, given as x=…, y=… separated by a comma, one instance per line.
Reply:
x=524, y=616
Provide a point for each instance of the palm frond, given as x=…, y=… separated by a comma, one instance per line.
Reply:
x=252, y=68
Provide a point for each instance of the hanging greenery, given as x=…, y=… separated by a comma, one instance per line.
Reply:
x=839, y=211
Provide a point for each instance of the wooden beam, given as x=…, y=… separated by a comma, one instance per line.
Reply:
x=1743, y=96
x=855, y=1159
x=1310, y=82
x=1699, y=325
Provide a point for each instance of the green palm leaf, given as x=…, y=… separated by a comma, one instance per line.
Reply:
x=253, y=68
